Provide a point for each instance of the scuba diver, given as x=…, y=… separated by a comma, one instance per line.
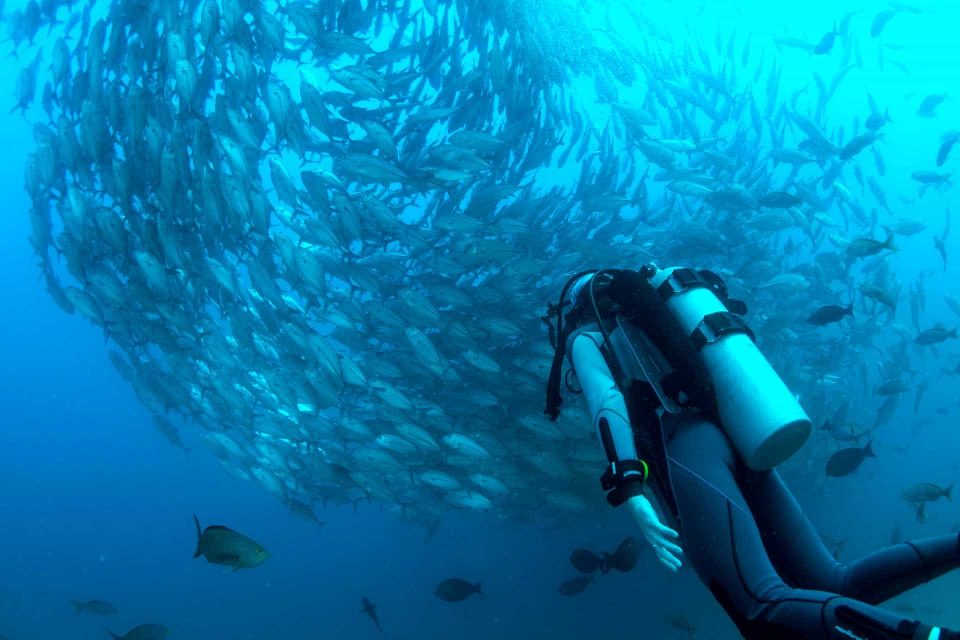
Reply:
x=693, y=420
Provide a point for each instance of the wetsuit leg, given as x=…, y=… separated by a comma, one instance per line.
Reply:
x=801, y=558
x=725, y=548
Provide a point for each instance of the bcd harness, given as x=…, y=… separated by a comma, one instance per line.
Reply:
x=622, y=299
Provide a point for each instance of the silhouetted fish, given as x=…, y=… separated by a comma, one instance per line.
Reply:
x=626, y=556
x=574, y=586
x=846, y=461
x=143, y=632
x=681, y=623
x=586, y=561
x=371, y=610
x=927, y=492
x=935, y=335
x=221, y=545
x=456, y=589
x=96, y=607
x=829, y=314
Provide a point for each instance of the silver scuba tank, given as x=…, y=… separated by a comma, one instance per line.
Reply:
x=758, y=412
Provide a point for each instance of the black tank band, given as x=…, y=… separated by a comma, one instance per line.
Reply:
x=684, y=279
x=715, y=326
x=681, y=280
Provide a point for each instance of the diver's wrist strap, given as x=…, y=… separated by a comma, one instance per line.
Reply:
x=623, y=480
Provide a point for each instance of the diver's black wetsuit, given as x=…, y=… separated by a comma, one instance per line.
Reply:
x=742, y=530
x=751, y=544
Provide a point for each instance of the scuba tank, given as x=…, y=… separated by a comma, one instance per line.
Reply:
x=757, y=411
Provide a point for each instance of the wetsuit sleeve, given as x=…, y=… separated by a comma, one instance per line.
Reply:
x=608, y=411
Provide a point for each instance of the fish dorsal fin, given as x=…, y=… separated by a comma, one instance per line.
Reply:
x=217, y=527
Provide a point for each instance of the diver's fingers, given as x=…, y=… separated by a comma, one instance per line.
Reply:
x=674, y=559
x=664, y=560
x=657, y=539
x=668, y=560
x=667, y=552
x=666, y=531
x=661, y=538
x=670, y=547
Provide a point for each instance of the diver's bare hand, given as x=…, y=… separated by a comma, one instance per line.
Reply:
x=662, y=538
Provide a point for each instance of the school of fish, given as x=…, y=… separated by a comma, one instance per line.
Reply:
x=322, y=234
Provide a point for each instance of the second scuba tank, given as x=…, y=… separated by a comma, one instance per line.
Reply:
x=758, y=412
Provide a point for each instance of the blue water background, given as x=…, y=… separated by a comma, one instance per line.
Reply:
x=95, y=504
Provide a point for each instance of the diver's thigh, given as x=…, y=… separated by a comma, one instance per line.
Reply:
x=720, y=537
x=794, y=546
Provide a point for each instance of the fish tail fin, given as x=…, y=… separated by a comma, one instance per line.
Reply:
x=77, y=607
x=953, y=333
x=114, y=636
x=948, y=492
x=476, y=587
x=198, y=552
x=868, y=450
x=849, y=309
x=888, y=243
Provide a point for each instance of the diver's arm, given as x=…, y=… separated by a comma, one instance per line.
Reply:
x=609, y=412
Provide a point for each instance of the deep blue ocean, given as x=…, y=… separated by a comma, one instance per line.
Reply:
x=94, y=504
